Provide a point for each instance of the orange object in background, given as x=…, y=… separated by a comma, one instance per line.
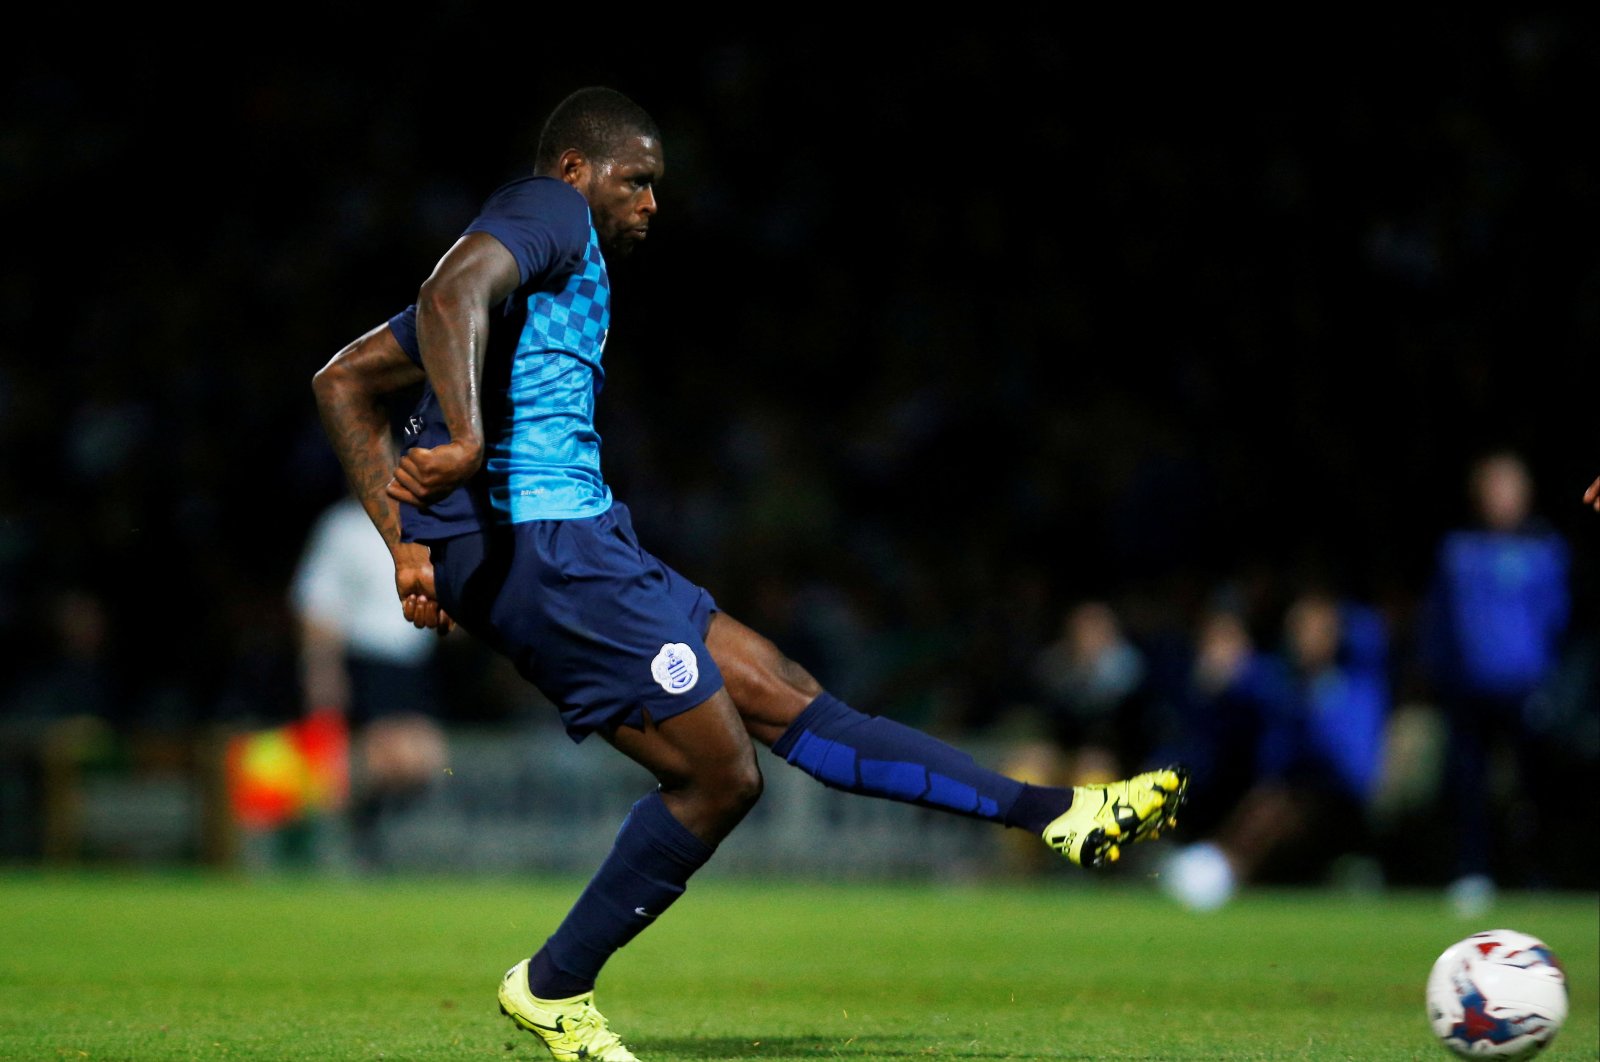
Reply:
x=282, y=774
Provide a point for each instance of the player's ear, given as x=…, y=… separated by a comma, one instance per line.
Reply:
x=573, y=166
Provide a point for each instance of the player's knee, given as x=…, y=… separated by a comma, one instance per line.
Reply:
x=755, y=668
x=718, y=800
x=796, y=677
x=775, y=687
x=748, y=787
x=737, y=787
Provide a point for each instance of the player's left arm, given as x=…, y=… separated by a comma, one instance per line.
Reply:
x=1592, y=495
x=452, y=336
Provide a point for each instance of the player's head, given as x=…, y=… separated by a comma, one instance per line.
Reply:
x=609, y=148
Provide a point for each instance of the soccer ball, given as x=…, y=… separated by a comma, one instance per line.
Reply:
x=1497, y=994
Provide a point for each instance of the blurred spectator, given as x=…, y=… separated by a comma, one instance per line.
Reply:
x=1491, y=635
x=1091, y=690
x=1340, y=652
x=61, y=708
x=1085, y=715
x=360, y=656
x=1231, y=716
x=1235, y=702
x=74, y=677
x=1292, y=746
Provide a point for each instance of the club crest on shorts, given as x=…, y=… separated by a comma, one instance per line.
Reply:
x=675, y=668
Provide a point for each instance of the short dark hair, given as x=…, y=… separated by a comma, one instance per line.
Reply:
x=595, y=120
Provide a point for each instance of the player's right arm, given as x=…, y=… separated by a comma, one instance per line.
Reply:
x=1592, y=495
x=477, y=273
x=350, y=392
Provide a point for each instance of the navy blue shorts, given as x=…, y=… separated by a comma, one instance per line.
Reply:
x=604, y=629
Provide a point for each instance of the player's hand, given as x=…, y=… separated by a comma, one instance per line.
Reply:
x=1592, y=495
x=424, y=476
x=424, y=612
x=413, y=581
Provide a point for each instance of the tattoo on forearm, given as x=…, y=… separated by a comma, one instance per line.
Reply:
x=359, y=432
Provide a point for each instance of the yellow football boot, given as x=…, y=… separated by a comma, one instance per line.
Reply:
x=571, y=1028
x=1104, y=817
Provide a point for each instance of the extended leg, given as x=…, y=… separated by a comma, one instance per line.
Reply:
x=784, y=707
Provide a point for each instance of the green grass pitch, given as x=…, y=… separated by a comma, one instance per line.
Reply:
x=157, y=967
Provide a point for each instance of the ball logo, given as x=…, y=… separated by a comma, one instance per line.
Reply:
x=675, y=668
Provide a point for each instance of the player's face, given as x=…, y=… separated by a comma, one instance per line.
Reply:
x=622, y=196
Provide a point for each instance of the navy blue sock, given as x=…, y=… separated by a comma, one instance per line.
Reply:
x=647, y=868
x=869, y=754
x=1039, y=806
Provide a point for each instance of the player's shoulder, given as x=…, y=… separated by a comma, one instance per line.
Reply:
x=542, y=198
x=542, y=221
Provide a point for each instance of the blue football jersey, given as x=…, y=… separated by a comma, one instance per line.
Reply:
x=542, y=371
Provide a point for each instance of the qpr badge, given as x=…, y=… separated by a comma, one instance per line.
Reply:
x=675, y=668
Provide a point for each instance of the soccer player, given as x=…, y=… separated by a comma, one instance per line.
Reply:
x=499, y=519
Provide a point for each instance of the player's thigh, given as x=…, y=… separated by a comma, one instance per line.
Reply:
x=705, y=747
x=586, y=616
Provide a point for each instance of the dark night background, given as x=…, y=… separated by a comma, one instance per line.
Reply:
x=940, y=335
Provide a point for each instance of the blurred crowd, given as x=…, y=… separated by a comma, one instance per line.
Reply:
x=1329, y=741
x=1150, y=439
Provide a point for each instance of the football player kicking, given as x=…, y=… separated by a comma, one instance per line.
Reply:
x=499, y=520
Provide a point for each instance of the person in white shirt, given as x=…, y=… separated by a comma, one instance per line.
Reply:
x=361, y=657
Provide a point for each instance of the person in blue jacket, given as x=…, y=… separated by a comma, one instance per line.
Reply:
x=1290, y=741
x=1491, y=634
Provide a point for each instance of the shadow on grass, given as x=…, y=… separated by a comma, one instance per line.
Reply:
x=779, y=1047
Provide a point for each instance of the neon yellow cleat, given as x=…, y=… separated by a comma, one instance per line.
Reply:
x=1104, y=817
x=571, y=1028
